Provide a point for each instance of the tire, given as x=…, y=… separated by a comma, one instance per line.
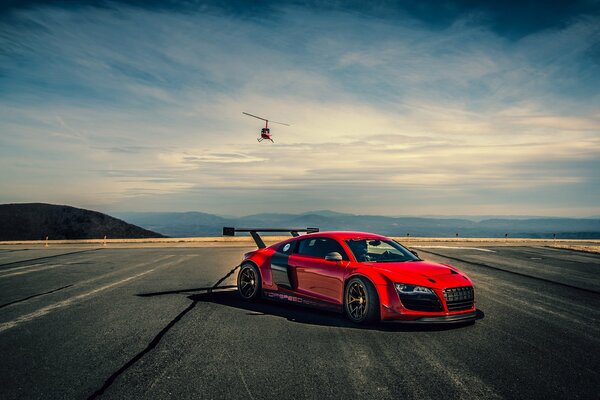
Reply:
x=361, y=301
x=249, y=282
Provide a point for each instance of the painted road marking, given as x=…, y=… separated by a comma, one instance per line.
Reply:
x=20, y=268
x=41, y=267
x=454, y=247
x=28, y=269
x=72, y=300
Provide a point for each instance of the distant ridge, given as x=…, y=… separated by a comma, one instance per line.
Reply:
x=179, y=224
x=35, y=221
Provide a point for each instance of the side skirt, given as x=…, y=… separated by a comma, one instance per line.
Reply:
x=300, y=300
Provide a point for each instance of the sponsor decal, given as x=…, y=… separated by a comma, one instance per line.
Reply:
x=299, y=300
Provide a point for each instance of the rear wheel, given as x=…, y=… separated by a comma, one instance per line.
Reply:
x=249, y=282
x=361, y=301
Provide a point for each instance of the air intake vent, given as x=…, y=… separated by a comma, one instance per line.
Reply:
x=421, y=302
x=460, y=298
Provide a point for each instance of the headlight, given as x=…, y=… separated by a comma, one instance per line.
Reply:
x=412, y=289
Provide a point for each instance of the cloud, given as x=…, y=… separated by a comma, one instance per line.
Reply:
x=113, y=103
x=187, y=160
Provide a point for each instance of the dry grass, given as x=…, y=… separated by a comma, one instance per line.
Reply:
x=588, y=249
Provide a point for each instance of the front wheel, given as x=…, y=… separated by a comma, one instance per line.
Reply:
x=249, y=283
x=361, y=301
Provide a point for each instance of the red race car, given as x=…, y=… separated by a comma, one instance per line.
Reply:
x=367, y=276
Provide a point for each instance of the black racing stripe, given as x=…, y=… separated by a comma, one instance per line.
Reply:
x=280, y=269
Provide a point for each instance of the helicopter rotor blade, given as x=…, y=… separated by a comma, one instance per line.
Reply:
x=264, y=119
x=280, y=123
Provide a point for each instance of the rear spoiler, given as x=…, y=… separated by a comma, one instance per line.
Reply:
x=229, y=231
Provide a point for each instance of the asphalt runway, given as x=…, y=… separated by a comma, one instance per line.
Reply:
x=137, y=323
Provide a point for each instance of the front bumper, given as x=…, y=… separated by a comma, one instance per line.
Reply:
x=392, y=309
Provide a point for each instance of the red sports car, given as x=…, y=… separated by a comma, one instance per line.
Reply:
x=367, y=276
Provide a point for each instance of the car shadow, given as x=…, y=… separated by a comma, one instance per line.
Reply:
x=305, y=315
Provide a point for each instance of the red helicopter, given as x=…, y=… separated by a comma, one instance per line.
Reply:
x=265, y=133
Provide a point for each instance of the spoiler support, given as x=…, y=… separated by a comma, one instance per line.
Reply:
x=230, y=231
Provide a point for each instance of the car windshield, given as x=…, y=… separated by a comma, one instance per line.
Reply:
x=376, y=250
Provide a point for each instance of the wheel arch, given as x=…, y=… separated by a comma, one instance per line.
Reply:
x=253, y=263
x=368, y=278
x=358, y=275
x=374, y=277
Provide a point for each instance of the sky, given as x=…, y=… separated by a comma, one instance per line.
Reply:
x=395, y=108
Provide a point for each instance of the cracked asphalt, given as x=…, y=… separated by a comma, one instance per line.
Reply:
x=138, y=323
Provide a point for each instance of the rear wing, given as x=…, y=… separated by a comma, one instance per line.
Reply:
x=229, y=231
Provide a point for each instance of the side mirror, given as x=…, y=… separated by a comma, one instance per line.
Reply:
x=415, y=253
x=333, y=256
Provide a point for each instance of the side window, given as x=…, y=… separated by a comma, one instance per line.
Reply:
x=287, y=248
x=320, y=247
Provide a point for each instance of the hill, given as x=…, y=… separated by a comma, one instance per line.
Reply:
x=35, y=221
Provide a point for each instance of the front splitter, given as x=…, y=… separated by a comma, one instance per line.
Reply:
x=446, y=319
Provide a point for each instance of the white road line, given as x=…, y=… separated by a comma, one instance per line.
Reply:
x=21, y=268
x=109, y=274
x=45, y=310
x=454, y=247
x=31, y=268
x=27, y=271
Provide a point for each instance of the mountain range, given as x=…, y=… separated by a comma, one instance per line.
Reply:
x=35, y=221
x=188, y=224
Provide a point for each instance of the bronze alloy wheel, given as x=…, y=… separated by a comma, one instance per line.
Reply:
x=249, y=282
x=361, y=301
x=357, y=301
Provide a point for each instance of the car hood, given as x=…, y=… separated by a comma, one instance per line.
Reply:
x=421, y=271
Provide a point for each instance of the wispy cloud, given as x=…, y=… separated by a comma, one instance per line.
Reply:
x=102, y=105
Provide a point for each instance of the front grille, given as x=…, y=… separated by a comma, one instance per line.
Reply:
x=460, y=298
x=421, y=302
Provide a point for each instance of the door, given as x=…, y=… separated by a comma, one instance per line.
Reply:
x=316, y=276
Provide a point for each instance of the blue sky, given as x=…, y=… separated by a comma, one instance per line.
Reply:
x=396, y=108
